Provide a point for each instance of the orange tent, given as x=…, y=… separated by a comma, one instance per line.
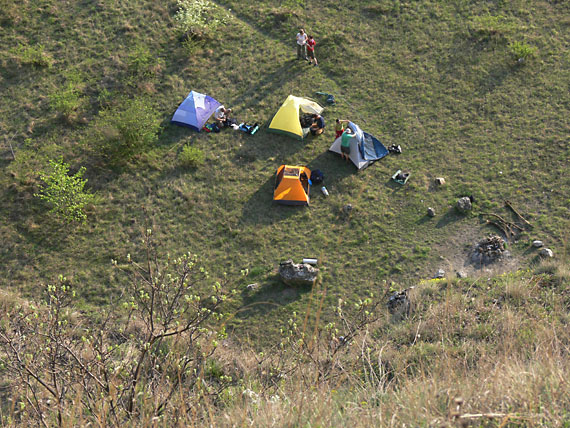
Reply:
x=292, y=185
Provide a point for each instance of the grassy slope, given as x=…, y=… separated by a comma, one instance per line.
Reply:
x=410, y=73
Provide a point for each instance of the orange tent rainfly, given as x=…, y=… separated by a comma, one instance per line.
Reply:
x=292, y=185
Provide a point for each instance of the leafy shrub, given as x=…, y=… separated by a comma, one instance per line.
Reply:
x=142, y=63
x=191, y=156
x=197, y=17
x=127, y=128
x=521, y=50
x=64, y=192
x=68, y=99
x=33, y=55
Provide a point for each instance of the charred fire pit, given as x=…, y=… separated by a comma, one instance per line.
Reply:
x=489, y=250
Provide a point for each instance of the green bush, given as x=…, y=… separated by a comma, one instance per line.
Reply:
x=127, y=129
x=33, y=55
x=191, y=156
x=521, y=50
x=492, y=26
x=198, y=17
x=65, y=193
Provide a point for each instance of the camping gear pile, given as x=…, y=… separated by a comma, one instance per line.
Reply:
x=401, y=177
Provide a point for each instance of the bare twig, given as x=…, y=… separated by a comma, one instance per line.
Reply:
x=9, y=141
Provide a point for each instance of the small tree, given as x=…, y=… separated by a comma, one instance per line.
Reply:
x=64, y=192
x=127, y=129
x=148, y=348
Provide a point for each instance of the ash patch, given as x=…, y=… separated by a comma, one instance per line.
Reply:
x=490, y=250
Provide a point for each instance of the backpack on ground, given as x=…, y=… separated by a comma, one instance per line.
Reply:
x=317, y=176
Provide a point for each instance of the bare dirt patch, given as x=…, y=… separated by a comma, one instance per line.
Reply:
x=458, y=255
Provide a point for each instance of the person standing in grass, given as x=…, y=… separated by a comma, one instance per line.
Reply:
x=311, y=50
x=301, y=44
x=339, y=127
x=347, y=136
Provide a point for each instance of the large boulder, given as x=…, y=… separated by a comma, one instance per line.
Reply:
x=399, y=303
x=464, y=204
x=296, y=275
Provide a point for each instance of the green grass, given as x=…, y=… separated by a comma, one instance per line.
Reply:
x=418, y=74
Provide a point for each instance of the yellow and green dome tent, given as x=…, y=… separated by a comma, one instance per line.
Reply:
x=287, y=119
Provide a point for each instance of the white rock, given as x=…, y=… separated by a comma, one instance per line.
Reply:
x=546, y=252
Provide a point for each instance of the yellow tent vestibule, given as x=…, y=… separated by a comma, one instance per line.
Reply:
x=287, y=119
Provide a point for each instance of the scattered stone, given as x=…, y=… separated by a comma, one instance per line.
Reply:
x=461, y=274
x=431, y=212
x=489, y=250
x=399, y=303
x=347, y=209
x=464, y=204
x=440, y=274
x=537, y=244
x=440, y=181
x=297, y=274
x=546, y=252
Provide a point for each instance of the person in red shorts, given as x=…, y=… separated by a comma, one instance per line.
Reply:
x=339, y=127
x=311, y=50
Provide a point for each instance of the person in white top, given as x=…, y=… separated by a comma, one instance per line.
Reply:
x=301, y=44
x=221, y=115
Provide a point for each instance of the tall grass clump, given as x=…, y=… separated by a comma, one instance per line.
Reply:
x=489, y=27
x=67, y=99
x=520, y=51
x=142, y=63
x=191, y=157
x=33, y=55
x=127, y=129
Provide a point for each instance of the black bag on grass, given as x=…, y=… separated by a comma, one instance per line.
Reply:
x=317, y=176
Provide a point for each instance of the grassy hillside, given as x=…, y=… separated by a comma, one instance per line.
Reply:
x=438, y=78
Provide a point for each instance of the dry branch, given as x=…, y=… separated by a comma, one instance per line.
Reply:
x=510, y=205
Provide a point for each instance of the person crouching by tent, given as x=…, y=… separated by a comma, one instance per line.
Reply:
x=347, y=135
x=221, y=115
x=318, y=125
x=311, y=50
x=339, y=127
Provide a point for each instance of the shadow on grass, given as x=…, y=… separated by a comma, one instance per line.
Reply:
x=261, y=209
x=270, y=296
x=334, y=168
x=289, y=71
x=451, y=216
